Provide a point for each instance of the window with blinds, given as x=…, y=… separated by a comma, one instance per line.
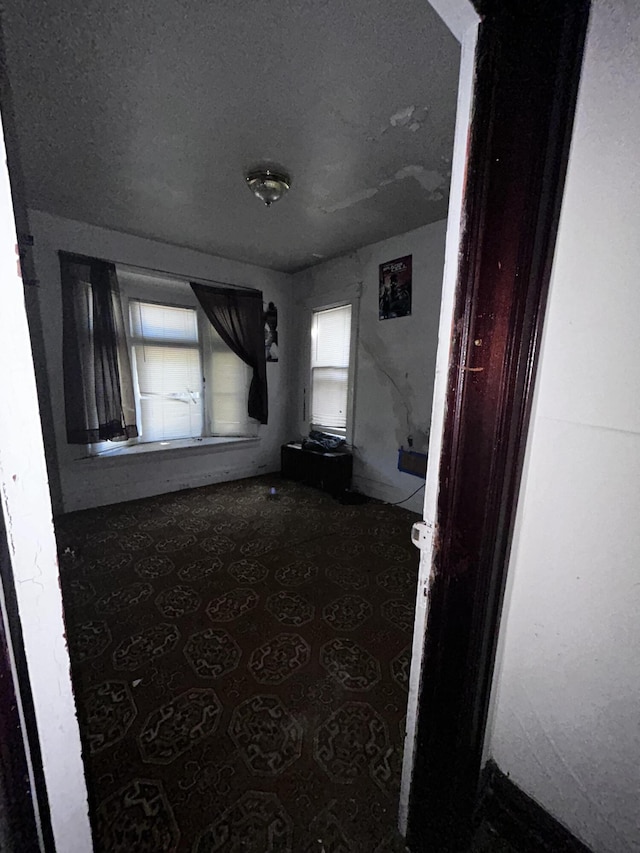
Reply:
x=167, y=369
x=330, y=346
x=227, y=389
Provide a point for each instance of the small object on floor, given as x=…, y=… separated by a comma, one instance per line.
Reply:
x=352, y=498
x=273, y=495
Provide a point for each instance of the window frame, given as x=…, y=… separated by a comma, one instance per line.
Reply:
x=138, y=284
x=200, y=345
x=314, y=308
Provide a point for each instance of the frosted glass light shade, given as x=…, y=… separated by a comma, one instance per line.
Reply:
x=268, y=185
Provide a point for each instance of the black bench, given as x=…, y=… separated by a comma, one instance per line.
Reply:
x=330, y=472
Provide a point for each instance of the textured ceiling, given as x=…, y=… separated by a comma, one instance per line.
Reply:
x=143, y=117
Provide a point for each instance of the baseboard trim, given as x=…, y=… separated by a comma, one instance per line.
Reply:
x=80, y=498
x=388, y=493
x=520, y=820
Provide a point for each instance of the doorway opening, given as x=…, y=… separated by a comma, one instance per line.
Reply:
x=539, y=243
x=85, y=484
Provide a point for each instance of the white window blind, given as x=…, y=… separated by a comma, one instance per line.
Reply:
x=166, y=365
x=228, y=380
x=330, y=345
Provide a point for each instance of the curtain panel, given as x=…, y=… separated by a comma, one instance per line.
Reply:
x=98, y=385
x=237, y=317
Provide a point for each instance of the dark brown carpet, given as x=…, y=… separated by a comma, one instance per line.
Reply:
x=241, y=667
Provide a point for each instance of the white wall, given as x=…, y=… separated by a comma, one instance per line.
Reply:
x=26, y=506
x=567, y=699
x=395, y=358
x=93, y=482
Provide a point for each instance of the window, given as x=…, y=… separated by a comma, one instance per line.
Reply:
x=142, y=358
x=167, y=370
x=330, y=347
x=228, y=381
x=187, y=382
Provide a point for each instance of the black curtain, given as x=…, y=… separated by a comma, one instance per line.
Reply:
x=237, y=317
x=98, y=387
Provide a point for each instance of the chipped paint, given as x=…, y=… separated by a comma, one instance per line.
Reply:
x=351, y=200
x=434, y=183
x=402, y=117
x=409, y=118
x=412, y=118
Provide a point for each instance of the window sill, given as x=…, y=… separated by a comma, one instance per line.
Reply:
x=176, y=446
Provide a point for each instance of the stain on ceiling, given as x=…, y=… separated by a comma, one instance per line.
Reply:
x=144, y=117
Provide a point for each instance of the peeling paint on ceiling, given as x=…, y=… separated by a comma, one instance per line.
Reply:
x=362, y=195
x=143, y=119
x=410, y=118
x=434, y=183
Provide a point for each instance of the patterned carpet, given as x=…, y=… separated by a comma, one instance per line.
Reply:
x=240, y=666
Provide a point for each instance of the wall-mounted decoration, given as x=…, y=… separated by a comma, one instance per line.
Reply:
x=271, y=332
x=395, y=288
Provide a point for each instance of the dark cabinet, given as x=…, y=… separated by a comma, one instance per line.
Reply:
x=330, y=472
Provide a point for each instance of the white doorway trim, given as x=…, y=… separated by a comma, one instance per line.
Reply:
x=463, y=21
x=26, y=506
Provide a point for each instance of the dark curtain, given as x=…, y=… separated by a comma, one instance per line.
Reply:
x=237, y=317
x=98, y=387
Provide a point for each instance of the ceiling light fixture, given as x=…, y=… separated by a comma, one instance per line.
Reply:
x=268, y=184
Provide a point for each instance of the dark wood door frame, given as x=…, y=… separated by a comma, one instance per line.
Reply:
x=528, y=62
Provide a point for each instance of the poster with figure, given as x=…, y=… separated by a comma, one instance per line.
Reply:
x=394, y=294
x=271, y=332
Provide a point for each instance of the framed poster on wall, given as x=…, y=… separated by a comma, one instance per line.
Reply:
x=394, y=293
